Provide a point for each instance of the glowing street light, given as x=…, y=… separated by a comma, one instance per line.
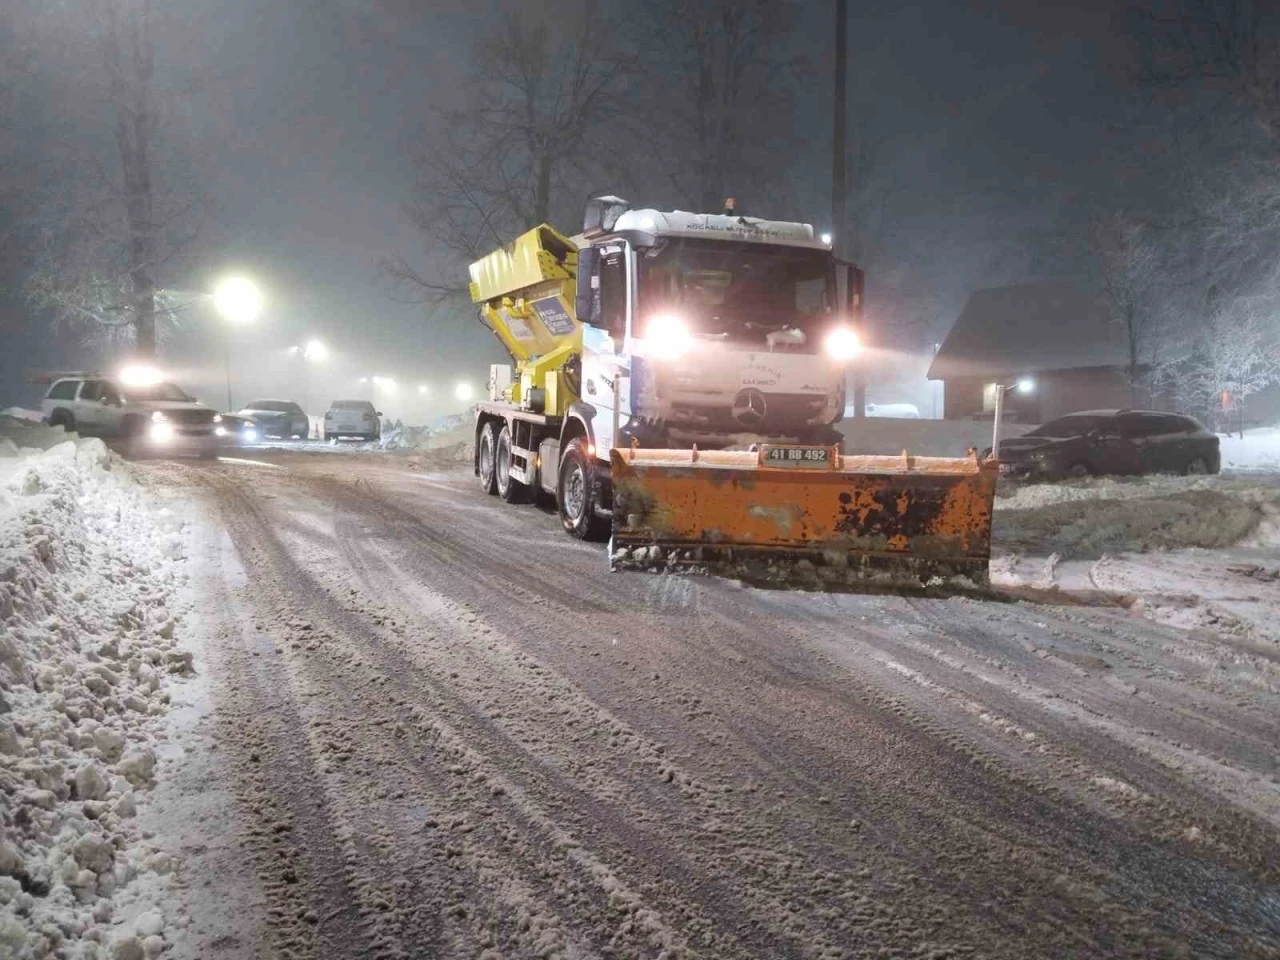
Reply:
x=139, y=376
x=239, y=301
x=315, y=351
x=1022, y=385
x=463, y=391
x=423, y=390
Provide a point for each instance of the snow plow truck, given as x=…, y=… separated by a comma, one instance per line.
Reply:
x=675, y=383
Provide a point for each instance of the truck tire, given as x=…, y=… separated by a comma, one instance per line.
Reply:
x=509, y=489
x=486, y=455
x=577, y=493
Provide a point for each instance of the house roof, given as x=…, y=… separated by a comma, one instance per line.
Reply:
x=1034, y=327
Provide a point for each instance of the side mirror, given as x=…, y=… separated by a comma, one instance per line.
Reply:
x=584, y=304
x=377, y=413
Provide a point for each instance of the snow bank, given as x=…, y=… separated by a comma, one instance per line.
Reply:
x=21, y=413
x=87, y=647
x=1258, y=451
x=1090, y=517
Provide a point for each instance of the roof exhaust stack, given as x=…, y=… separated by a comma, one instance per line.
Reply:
x=602, y=215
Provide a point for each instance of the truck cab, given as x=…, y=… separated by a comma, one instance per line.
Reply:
x=719, y=330
x=659, y=330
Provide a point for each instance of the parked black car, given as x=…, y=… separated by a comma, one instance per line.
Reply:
x=237, y=431
x=1096, y=442
x=277, y=418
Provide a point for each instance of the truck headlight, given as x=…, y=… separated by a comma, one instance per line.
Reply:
x=841, y=344
x=667, y=337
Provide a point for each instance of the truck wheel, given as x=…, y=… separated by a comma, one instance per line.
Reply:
x=577, y=492
x=509, y=489
x=485, y=456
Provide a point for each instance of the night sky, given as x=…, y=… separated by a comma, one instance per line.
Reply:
x=995, y=128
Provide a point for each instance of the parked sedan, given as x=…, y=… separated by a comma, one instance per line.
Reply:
x=236, y=431
x=1097, y=442
x=352, y=418
x=277, y=418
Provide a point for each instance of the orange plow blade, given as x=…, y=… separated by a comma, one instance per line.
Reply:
x=806, y=516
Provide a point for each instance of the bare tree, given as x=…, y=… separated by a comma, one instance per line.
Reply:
x=546, y=119
x=719, y=97
x=1128, y=261
x=114, y=218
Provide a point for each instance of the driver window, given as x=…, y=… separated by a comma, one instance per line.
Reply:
x=92, y=390
x=109, y=393
x=613, y=291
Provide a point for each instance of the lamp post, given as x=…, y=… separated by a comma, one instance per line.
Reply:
x=239, y=302
x=313, y=351
x=1022, y=385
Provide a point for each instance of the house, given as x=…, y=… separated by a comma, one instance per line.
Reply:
x=1054, y=333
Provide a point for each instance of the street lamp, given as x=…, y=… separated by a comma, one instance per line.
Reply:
x=463, y=391
x=423, y=389
x=313, y=351
x=239, y=301
x=1022, y=385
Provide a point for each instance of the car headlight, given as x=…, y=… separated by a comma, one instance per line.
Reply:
x=219, y=431
x=162, y=432
x=841, y=344
x=159, y=417
x=667, y=337
x=250, y=433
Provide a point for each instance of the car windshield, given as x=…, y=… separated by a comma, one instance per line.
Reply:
x=740, y=291
x=1073, y=426
x=270, y=406
x=160, y=391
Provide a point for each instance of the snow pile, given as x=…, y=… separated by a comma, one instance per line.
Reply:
x=1090, y=517
x=86, y=649
x=21, y=413
x=1258, y=451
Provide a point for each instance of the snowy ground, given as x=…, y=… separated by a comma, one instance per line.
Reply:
x=1195, y=552
x=1257, y=451
x=89, y=659
x=426, y=723
x=453, y=734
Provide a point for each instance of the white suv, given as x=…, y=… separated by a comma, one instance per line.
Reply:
x=352, y=418
x=157, y=417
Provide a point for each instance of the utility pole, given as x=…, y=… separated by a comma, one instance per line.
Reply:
x=839, y=187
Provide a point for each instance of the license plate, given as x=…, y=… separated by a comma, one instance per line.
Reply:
x=797, y=456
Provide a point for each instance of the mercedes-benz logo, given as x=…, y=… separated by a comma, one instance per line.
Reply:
x=749, y=407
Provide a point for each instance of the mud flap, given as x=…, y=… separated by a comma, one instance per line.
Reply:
x=827, y=522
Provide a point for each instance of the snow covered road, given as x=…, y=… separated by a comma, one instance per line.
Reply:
x=452, y=733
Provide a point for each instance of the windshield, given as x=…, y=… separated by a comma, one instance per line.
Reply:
x=277, y=406
x=1074, y=426
x=736, y=290
x=160, y=391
